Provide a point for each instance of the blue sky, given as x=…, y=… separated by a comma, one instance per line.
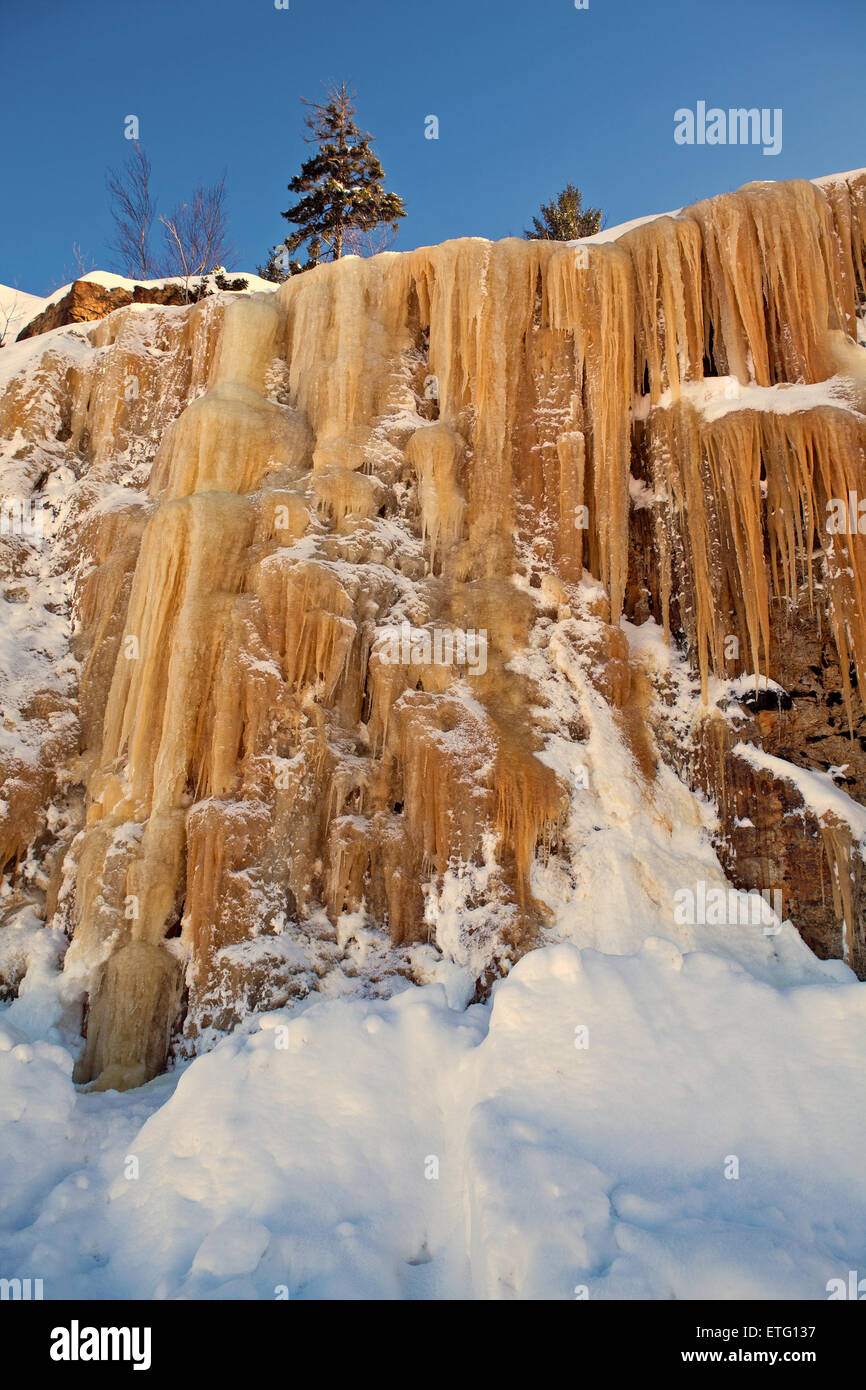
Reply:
x=529, y=95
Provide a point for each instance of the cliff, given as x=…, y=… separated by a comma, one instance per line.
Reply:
x=354, y=602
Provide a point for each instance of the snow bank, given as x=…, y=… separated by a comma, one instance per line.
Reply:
x=578, y=1137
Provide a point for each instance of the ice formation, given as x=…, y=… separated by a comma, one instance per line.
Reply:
x=462, y=438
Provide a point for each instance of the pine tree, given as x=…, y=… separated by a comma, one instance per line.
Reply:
x=343, y=195
x=565, y=218
x=280, y=266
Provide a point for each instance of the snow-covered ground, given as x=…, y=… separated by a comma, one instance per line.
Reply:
x=651, y=1125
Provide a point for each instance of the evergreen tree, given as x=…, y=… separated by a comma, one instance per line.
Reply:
x=343, y=195
x=280, y=266
x=565, y=218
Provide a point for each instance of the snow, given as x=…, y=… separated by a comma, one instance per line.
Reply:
x=16, y=310
x=750, y=685
x=19, y=357
x=614, y=233
x=818, y=789
x=838, y=178
x=642, y=496
x=715, y=397
x=407, y=1149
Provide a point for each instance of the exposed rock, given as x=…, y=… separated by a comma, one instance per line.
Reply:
x=86, y=300
x=767, y=838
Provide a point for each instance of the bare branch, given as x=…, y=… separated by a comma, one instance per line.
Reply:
x=8, y=312
x=133, y=210
x=175, y=242
x=83, y=261
x=371, y=243
x=196, y=232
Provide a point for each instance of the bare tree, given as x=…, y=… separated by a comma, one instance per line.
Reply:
x=8, y=316
x=82, y=260
x=370, y=243
x=196, y=233
x=82, y=264
x=133, y=209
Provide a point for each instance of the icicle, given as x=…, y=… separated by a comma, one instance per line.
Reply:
x=501, y=378
x=837, y=848
x=669, y=324
x=436, y=453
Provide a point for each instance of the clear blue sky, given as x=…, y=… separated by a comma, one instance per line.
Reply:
x=529, y=94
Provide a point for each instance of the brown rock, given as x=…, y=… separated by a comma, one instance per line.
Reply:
x=86, y=300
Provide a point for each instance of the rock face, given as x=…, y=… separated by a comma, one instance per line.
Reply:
x=787, y=845
x=360, y=574
x=86, y=300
